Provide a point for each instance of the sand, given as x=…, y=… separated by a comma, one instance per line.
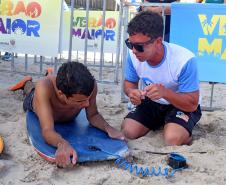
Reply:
x=206, y=156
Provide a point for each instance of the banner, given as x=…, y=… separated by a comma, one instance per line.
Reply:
x=29, y=26
x=94, y=32
x=202, y=29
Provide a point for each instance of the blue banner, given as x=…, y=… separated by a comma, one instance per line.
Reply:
x=202, y=29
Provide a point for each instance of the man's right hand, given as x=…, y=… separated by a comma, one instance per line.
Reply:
x=63, y=155
x=136, y=95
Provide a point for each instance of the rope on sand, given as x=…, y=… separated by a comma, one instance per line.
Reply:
x=176, y=162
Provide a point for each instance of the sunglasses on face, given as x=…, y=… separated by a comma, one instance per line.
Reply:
x=139, y=46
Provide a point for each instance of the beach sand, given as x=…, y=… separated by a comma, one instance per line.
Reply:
x=206, y=156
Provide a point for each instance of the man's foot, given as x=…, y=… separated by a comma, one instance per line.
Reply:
x=49, y=71
x=21, y=84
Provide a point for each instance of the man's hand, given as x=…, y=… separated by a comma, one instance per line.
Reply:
x=155, y=91
x=63, y=155
x=136, y=95
x=115, y=134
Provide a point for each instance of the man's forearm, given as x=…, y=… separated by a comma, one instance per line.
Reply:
x=128, y=86
x=53, y=138
x=98, y=121
x=186, y=102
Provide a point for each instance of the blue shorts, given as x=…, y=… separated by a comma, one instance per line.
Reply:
x=154, y=115
x=28, y=101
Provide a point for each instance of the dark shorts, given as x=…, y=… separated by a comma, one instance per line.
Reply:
x=28, y=101
x=154, y=115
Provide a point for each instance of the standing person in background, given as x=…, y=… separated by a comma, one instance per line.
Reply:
x=157, y=9
x=167, y=12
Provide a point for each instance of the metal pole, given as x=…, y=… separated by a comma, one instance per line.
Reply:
x=77, y=55
x=60, y=59
x=94, y=57
x=86, y=32
x=116, y=6
x=26, y=62
x=41, y=64
x=55, y=65
x=164, y=21
x=71, y=27
x=102, y=41
x=112, y=59
x=210, y=108
x=35, y=59
x=12, y=63
x=123, y=97
x=118, y=47
x=61, y=29
x=211, y=97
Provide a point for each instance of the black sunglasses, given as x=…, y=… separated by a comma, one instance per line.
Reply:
x=139, y=47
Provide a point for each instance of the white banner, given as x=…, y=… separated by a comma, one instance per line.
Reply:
x=30, y=27
x=95, y=23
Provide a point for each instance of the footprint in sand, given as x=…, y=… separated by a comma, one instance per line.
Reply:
x=5, y=114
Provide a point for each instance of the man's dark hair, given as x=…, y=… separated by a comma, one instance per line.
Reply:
x=74, y=78
x=148, y=23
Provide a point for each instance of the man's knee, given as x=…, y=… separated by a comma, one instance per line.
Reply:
x=175, y=134
x=132, y=129
x=127, y=131
x=172, y=138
